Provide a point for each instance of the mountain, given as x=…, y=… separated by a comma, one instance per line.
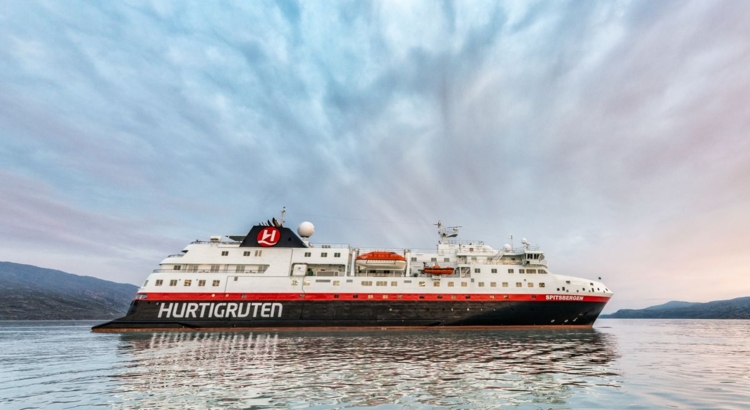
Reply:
x=738, y=308
x=29, y=292
x=675, y=304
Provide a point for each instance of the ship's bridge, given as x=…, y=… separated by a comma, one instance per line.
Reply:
x=534, y=257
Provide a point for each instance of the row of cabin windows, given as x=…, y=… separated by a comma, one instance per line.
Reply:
x=477, y=270
x=355, y=296
x=202, y=282
x=187, y=282
x=531, y=271
x=494, y=270
x=422, y=284
x=245, y=253
x=213, y=268
x=414, y=259
x=533, y=256
x=323, y=254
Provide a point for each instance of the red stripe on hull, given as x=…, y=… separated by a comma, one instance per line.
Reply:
x=385, y=297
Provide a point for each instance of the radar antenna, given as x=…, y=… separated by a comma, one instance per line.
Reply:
x=281, y=218
x=444, y=235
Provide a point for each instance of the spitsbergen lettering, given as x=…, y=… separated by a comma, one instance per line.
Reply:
x=219, y=310
x=564, y=297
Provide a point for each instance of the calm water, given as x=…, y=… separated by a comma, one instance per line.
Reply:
x=618, y=364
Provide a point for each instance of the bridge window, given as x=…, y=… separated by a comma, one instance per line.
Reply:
x=177, y=267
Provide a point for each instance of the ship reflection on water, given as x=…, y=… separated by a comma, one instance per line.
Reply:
x=412, y=369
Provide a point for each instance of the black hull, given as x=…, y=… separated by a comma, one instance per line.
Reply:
x=202, y=315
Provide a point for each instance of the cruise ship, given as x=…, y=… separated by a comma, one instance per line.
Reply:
x=274, y=278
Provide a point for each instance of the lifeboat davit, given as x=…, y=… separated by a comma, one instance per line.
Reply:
x=381, y=260
x=437, y=270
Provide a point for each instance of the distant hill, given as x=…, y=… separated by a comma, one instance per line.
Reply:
x=675, y=304
x=738, y=308
x=29, y=292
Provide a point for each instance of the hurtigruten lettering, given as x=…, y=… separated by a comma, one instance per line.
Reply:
x=564, y=297
x=181, y=310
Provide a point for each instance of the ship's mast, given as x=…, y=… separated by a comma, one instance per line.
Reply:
x=445, y=235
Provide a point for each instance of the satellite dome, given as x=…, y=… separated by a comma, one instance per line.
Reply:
x=306, y=229
x=507, y=247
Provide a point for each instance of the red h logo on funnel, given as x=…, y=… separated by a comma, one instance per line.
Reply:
x=268, y=236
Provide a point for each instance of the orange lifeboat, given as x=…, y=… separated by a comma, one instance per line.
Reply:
x=437, y=270
x=381, y=260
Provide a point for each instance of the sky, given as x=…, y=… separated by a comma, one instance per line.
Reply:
x=612, y=134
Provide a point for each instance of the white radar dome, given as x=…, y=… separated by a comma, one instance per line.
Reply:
x=507, y=248
x=306, y=229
